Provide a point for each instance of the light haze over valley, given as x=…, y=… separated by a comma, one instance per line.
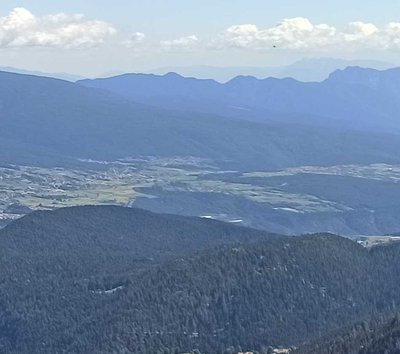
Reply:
x=199, y=177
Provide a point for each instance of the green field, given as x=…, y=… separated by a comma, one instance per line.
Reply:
x=154, y=183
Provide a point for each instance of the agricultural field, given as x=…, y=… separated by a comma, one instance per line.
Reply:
x=187, y=185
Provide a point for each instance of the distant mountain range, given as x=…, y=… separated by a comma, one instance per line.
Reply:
x=61, y=76
x=310, y=69
x=353, y=98
x=244, y=125
x=279, y=154
x=49, y=121
x=109, y=279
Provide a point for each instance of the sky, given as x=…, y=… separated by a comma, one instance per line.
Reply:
x=96, y=37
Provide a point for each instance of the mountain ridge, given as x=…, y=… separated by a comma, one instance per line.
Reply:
x=60, y=122
x=306, y=70
x=61, y=75
x=250, y=290
x=335, y=99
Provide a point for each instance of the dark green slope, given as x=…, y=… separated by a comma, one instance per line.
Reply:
x=274, y=293
x=385, y=339
x=129, y=233
x=114, y=280
x=367, y=337
x=54, y=266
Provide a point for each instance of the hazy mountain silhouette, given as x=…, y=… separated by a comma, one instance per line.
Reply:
x=308, y=69
x=61, y=76
x=52, y=121
x=353, y=98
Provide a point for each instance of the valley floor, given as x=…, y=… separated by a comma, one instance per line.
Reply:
x=350, y=199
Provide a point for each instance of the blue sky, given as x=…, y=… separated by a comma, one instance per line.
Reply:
x=181, y=15
x=153, y=33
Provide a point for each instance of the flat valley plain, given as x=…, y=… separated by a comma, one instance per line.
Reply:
x=352, y=200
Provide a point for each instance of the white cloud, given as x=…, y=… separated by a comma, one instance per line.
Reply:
x=20, y=28
x=294, y=33
x=136, y=39
x=392, y=36
x=301, y=34
x=360, y=30
x=183, y=43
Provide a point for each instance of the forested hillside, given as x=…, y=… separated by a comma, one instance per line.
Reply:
x=367, y=337
x=128, y=234
x=57, y=267
x=114, y=280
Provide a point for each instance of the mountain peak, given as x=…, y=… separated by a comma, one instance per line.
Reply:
x=173, y=75
x=351, y=71
x=365, y=76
